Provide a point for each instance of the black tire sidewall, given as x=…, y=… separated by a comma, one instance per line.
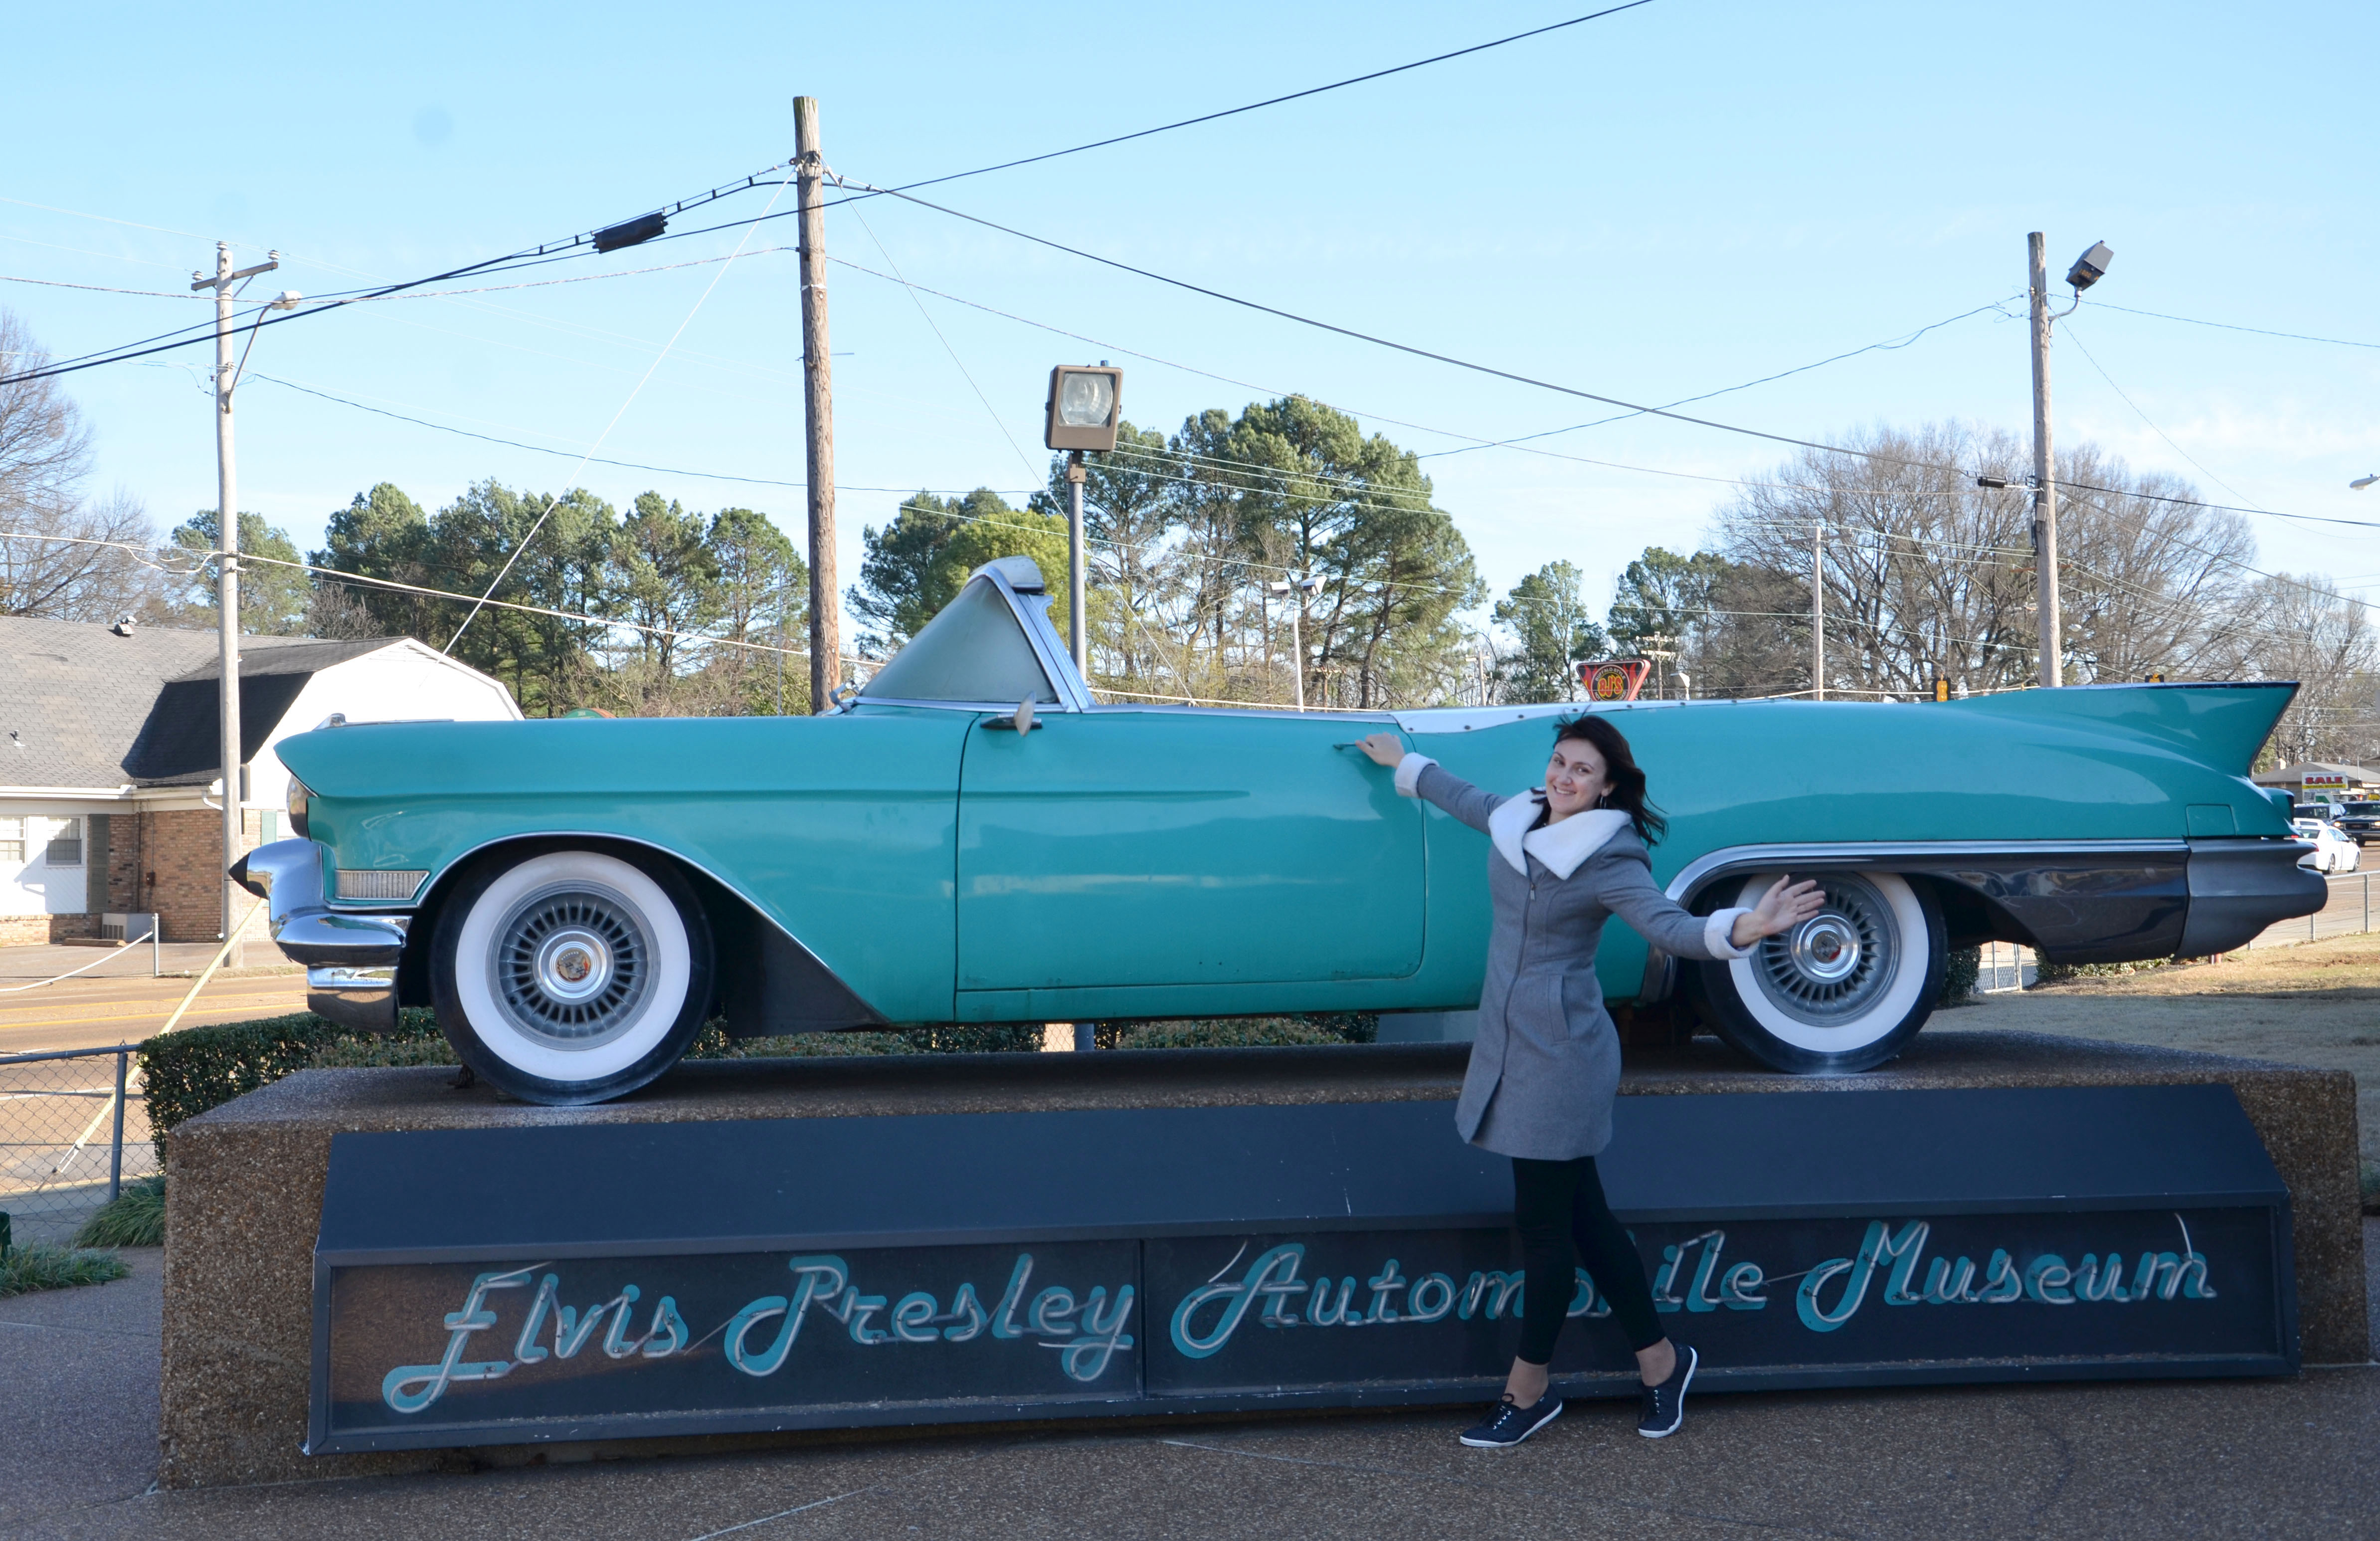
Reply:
x=510, y=1078
x=1713, y=986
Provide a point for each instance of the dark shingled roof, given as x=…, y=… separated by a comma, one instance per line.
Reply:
x=82, y=707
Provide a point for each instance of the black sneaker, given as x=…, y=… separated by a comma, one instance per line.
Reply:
x=1509, y=1424
x=1664, y=1405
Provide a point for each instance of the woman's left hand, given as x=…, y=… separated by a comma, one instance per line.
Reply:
x=1781, y=909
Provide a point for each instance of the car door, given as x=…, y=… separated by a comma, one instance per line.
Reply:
x=1123, y=847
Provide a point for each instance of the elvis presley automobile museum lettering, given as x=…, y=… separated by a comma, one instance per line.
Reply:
x=624, y=1280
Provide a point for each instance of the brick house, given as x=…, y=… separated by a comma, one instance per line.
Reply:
x=111, y=770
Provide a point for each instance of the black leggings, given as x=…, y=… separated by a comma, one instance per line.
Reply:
x=1556, y=1204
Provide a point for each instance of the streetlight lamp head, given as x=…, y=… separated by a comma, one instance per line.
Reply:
x=286, y=300
x=2091, y=267
x=2362, y=482
x=1083, y=408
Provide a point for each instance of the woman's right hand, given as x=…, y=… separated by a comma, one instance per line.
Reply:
x=1384, y=749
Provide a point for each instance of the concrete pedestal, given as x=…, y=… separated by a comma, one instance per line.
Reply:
x=247, y=1180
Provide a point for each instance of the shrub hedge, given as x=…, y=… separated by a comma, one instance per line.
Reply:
x=40, y=1266
x=134, y=1218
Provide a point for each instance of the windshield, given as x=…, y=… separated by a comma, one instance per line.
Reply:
x=973, y=652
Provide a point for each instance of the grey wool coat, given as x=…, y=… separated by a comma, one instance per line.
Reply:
x=1546, y=1065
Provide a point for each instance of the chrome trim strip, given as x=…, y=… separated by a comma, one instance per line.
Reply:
x=1837, y=853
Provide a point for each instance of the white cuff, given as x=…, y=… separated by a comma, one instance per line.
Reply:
x=1409, y=771
x=1716, y=935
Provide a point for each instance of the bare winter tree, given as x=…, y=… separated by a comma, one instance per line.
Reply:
x=1926, y=573
x=53, y=561
x=2302, y=628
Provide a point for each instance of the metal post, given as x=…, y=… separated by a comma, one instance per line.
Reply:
x=817, y=401
x=1297, y=641
x=115, y=1148
x=2051, y=667
x=228, y=587
x=1075, y=631
x=2367, y=901
x=1818, y=612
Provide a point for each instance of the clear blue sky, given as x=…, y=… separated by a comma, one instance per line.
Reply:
x=1687, y=196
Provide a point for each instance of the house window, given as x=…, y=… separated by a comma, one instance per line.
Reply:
x=66, y=843
x=12, y=840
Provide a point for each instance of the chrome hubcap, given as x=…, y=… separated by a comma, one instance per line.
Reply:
x=1830, y=969
x=572, y=966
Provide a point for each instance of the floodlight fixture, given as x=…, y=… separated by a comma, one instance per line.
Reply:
x=1085, y=407
x=2091, y=267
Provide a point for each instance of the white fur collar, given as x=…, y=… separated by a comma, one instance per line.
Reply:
x=1561, y=846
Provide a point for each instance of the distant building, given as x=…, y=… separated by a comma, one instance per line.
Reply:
x=110, y=769
x=2322, y=780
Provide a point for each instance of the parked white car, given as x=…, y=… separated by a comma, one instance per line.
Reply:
x=2333, y=850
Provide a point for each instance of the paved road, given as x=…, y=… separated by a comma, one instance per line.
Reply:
x=2166, y=1460
x=119, y=1003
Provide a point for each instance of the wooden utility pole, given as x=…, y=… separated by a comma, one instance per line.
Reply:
x=818, y=402
x=2051, y=669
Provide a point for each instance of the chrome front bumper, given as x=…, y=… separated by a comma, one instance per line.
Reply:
x=350, y=959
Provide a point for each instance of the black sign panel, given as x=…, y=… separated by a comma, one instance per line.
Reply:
x=831, y=1272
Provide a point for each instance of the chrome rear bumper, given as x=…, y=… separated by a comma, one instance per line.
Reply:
x=350, y=959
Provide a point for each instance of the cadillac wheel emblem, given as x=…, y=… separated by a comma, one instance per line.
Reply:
x=570, y=964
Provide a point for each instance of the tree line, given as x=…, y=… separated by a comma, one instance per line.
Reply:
x=1923, y=572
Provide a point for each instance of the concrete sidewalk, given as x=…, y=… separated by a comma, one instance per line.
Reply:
x=2276, y=1458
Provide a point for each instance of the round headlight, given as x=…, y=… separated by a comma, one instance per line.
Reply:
x=299, y=797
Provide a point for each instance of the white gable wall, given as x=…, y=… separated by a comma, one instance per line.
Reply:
x=403, y=682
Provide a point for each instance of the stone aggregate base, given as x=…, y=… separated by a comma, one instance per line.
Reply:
x=246, y=1194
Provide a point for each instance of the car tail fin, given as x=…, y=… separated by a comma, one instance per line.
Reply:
x=2222, y=725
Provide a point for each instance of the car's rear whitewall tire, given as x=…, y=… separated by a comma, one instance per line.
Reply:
x=568, y=977
x=1842, y=991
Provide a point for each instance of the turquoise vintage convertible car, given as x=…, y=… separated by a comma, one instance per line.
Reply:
x=972, y=839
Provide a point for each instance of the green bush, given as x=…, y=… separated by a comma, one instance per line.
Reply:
x=1964, y=967
x=373, y=1052
x=134, y=1218
x=45, y=1266
x=187, y=1071
x=1246, y=1032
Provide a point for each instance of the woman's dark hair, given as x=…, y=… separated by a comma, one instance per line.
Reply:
x=1620, y=766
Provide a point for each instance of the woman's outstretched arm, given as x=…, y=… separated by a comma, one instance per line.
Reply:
x=1628, y=888
x=1420, y=776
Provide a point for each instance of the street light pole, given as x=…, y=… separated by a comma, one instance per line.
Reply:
x=1297, y=590
x=235, y=833
x=2050, y=670
x=1075, y=631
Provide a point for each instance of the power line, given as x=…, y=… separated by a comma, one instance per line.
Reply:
x=2226, y=326
x=1890, y=345
x=1635, y=409
x=545, y=251
x=1210, y=118
x=591, y=460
